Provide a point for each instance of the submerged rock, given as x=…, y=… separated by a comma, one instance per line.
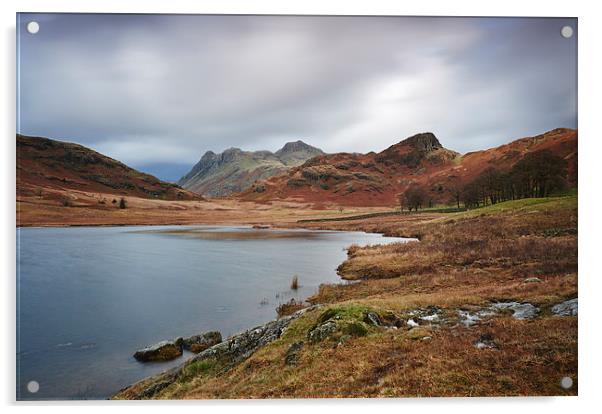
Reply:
x=162, y=351
x=520, y=311
x=566, y=308
x=198, y=343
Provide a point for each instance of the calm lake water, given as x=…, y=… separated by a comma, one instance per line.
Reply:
x=88, y=297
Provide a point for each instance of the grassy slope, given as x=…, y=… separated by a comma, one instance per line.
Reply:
x=463, y=260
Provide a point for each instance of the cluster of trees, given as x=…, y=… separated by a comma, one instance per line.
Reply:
x=413, y=198
x=538, y=174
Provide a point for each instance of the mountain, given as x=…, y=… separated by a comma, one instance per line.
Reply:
x=377, y=179
x=235, y=170
x=44, y=163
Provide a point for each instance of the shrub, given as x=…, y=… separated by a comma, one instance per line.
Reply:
x=122, y=203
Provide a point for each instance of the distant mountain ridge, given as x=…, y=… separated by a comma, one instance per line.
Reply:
x=377, y=179
x=235, y=170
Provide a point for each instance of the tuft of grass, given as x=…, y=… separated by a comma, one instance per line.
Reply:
x=290, y=307
x=295, y=283
x=198, y=368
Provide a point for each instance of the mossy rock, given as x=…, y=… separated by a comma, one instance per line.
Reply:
x=418, y=333
x=355, y=329
x=341, y=320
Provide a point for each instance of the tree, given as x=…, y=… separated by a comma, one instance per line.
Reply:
x=455, y=188
x=414, y=197
x=540, y=173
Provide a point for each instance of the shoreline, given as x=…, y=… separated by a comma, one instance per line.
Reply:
x=304, y=298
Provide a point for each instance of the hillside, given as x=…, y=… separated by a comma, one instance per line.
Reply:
x=235, y=170
x=49, y=166
x=377, y=179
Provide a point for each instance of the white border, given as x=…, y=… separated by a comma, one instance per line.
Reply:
x=589, y=185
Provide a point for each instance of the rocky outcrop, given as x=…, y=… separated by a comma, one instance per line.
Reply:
x=519, y=310
x=567, y=308
x=239, y=347
x=291, y=357
x=322, y=331
x=235, y=170
x=198, y=343
x=162, y=351
x=232, y=351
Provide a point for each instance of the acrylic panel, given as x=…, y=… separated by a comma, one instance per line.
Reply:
x=279, y=206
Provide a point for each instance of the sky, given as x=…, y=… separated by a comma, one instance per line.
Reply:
x=158, y=91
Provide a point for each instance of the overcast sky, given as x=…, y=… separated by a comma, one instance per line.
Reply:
x=157, y=91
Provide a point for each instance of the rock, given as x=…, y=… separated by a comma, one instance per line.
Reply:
x=520, y=311
x=321, y=332
x=468, y=319
x=344, y=339
x=431, y=318
x=418, y=333
x=239, y=347
x=532, y=280
x=162, y=351
x=566, y=308
x=198, y=343
x=372, y=318
x=486, y=342
x=411, y=323
x=291, y=357
x=235, y=349
x=154, y=389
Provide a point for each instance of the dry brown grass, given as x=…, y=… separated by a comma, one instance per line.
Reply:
x=531, y=359
x=290, y=307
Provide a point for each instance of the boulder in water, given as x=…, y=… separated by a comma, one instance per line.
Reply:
x=162, y=351
x=199, y=343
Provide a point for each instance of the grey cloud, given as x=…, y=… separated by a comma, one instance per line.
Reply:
x=151, y=89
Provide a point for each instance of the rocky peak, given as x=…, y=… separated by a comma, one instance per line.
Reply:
x=230, y=154
x=296, y=146
x=425, y=141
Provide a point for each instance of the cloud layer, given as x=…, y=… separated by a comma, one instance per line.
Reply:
x=158, y=91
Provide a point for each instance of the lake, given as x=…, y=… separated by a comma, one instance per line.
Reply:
x=89, y=297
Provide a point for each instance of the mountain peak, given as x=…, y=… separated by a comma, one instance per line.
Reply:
x=425, y=141
x=235, y=170
x=295, y=146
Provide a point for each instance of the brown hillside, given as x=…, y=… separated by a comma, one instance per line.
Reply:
x=377, y=179
x=46, y=164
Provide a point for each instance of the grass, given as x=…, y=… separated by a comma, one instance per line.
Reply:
x=295, y=283
x=463, y=260
x=290, y=307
